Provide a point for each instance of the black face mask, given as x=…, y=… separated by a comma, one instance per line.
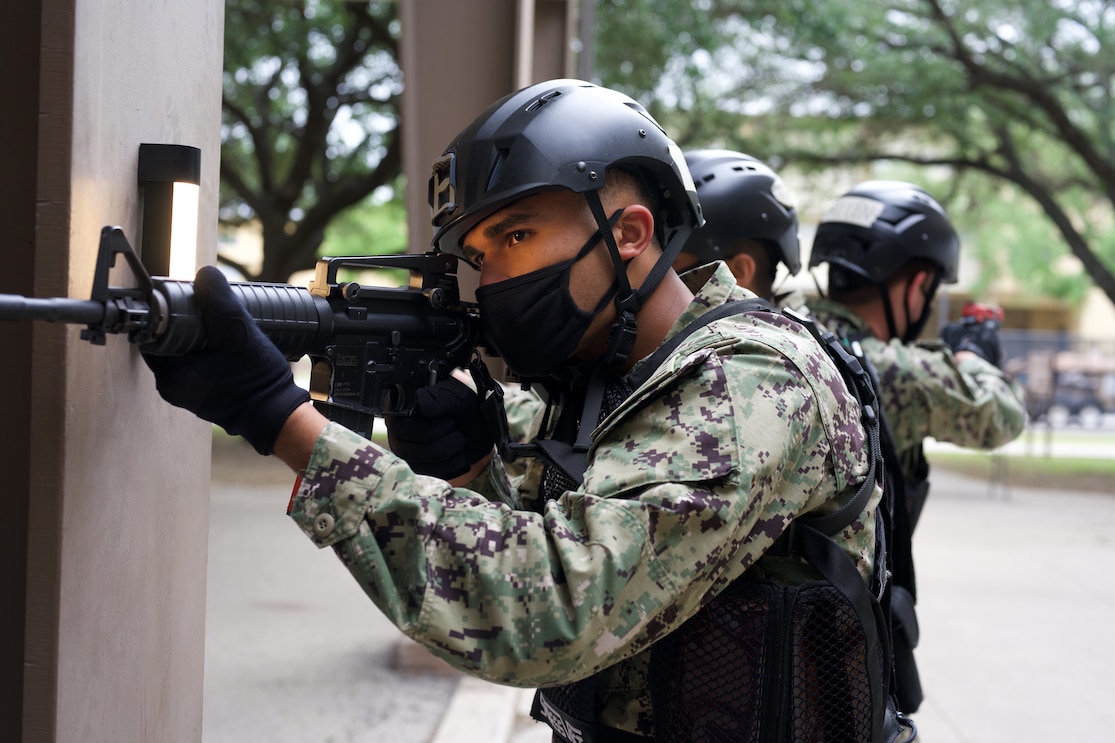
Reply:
x=532, y=320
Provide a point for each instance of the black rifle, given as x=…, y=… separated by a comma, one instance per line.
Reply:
x=371, y=347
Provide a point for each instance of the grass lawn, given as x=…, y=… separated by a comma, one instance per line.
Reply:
x=1040, y=434
x=1093, y=475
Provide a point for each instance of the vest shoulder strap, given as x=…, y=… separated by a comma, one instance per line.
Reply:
x=656, y=359
x=571, y=458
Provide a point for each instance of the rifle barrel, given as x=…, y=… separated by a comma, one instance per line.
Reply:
x=16, y=307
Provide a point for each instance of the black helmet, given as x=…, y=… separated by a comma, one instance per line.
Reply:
x=553, y=135
x=742, y=198
x=876, y=228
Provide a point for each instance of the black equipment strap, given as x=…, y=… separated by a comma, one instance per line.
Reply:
x=568, y=728
x=859, y=383
x=902, y=502
x=655, y=360
x=810, y=536
x=900, y=509
x=830, y=561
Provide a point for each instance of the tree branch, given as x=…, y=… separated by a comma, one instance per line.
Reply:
x=261, y=150
x=1042, y=96
x=233, y=178
x=237, y=266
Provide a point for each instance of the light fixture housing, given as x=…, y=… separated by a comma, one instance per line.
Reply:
x=170, y=177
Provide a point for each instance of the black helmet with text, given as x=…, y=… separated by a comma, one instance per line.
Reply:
x=564, y=134
x=742, y=198
x=876, y=229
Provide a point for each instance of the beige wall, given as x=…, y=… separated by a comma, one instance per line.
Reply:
x=450, y=77
x=1097, y=317
x=118, y=500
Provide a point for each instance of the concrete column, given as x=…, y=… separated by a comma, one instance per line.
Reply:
x=113, y=483
x=458, y=58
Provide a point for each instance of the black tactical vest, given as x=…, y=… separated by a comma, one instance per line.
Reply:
x=764, y=662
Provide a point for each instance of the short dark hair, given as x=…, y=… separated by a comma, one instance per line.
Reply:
x=767, y=257
x=847, y=287
x=636, y=179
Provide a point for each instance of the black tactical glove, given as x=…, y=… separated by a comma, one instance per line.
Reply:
x=239, y=381
x=979, y=337
x=447, y=433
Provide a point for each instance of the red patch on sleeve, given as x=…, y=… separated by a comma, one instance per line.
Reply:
x=297, y=485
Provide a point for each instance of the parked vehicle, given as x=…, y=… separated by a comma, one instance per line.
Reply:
x=1076, y=403
x=1066, y=387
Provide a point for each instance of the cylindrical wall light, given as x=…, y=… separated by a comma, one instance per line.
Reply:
x=170, y=175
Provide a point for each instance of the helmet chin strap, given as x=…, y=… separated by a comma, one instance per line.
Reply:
x=588, y=382
x=621, y=338
x=913, y=327
x=892, y=327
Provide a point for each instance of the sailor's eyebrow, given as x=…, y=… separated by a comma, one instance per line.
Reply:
x=509, y=222
x=472, y=255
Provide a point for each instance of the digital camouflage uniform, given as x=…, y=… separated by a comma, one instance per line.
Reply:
x=925, y=391
x=689, y=481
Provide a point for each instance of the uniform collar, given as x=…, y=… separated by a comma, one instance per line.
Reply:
x=832, y=313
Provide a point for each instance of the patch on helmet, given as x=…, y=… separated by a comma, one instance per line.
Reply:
x=782, y=194
x=856, y=210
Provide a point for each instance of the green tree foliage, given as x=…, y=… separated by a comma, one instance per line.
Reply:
x=1010, y=99
x=376, y=227
x=309, y=120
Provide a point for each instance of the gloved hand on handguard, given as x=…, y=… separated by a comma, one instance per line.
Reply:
x=240, y=380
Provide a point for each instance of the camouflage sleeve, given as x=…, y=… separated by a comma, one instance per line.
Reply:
x=524, y=409
x=524, y=412
x=927, y=392
x=687, y=488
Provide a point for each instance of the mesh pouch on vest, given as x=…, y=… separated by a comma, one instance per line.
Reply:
x=764, y=662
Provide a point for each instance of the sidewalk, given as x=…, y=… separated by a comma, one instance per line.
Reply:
x=1016, y=607
x=294, y=650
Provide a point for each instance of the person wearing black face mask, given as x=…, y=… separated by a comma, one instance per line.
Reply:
x=541, y=301
x=889, y=245
x=640, y=570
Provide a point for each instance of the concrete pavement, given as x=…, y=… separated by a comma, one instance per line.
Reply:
x=1017, y=603
x=1016, y=606
x=294, y=651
